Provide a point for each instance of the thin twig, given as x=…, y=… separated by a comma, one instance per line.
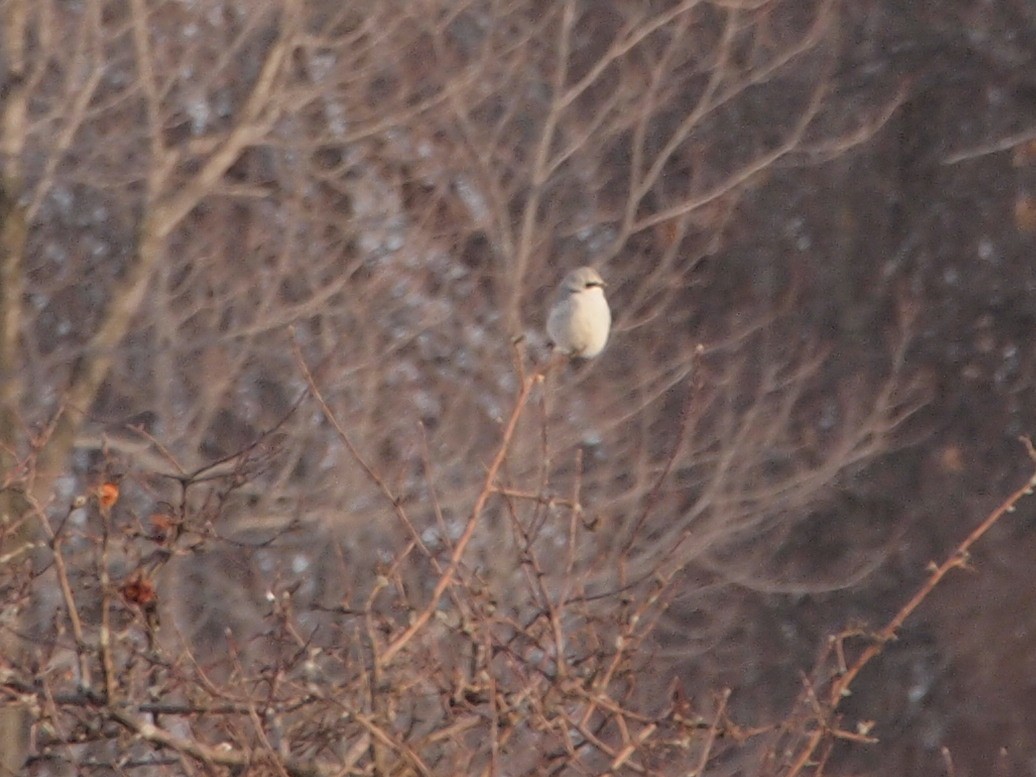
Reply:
x=421, y=618
x=958, y=558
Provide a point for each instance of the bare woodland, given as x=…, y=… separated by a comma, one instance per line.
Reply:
x=288, y=486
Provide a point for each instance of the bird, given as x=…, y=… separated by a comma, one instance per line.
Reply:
x=579, y=322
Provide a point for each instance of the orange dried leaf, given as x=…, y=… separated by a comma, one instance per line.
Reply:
x=107, y=495
x=139, y=590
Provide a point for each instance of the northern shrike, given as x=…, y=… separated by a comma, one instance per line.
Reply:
x=579, y=321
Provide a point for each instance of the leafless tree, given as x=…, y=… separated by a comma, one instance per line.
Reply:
x=279, y=273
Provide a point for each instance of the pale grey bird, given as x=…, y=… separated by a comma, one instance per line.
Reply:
x=580, y=319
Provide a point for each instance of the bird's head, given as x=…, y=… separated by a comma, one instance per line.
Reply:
x=581, y=279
